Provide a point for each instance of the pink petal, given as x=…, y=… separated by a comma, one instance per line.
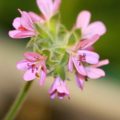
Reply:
x=84, y=44
x=95, y=28
x=29, y=75
x=66, y=88
x=70, y=65
x=83, y=20
x=90, y=57
x=62, y=88
x=59, y=86
x=42, y=78
x=91, y=48
x=20, y=34
x=22, y=65
x=54, y=85
x=52, y=96
x=16, y=23
x=79, y=67
x=80, y=81
x=46, y=7
x=26, y=21
x=44, y=68
x=56, y=5
x=36, y=18
x=94, y=73
x=102, y=63
x=32, y=56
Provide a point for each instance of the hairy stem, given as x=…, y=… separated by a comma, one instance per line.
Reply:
x=18, y=102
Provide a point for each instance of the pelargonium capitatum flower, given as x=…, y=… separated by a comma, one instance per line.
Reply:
x=59, y=48
x=24, y=25
x=80, y=58
x=48, y=7
x=92, y=72
x=59, y=89
x=82, y=53
x=89, y=30
x=34, y=67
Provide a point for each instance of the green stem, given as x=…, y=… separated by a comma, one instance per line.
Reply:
x=18, y=102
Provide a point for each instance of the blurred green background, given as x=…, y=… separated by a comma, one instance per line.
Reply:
x=107, y=11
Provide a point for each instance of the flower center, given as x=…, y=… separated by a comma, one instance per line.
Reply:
x=22, y=28
x=83, y=58
x=33, y=67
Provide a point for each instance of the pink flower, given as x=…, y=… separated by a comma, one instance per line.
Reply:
x=48, y=7
x=82, y=53
x=34, y=67
x=80, y=58
x=92, y=72
x=59, y=89
x=89, y=30
x=24, y=25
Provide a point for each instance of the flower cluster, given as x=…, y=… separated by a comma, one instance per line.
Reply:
x=57, y=51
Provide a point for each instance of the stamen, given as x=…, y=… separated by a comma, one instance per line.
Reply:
x=33, y=67
x=37, y=75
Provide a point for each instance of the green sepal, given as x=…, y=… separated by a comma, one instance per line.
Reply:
x=74, y=37
x=65, y=58
x=60, y=50
x=46, y=53
x=31, y=42
x=72, y=40
x=43, y=31
x=54, y=24
x=60, y=71
x=77, y=33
